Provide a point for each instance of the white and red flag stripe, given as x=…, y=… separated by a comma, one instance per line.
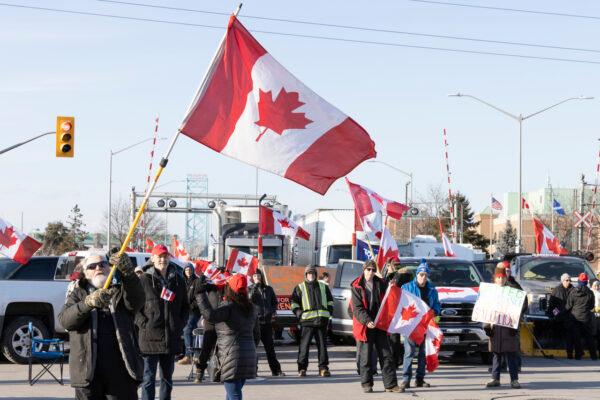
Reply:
x=179, y=251
x=249, y=107
x=241, y=263
x=16, y=245
x=433, y=342
x=525, y=204
x=545, y=241
x=388, y=249
x=404, y=313
x=448, y=251
x=274, y=223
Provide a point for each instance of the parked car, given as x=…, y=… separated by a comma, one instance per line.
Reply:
x=457, y=282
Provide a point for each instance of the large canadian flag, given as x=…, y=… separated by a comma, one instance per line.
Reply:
x=241, y=263
x=370, y=206
x=16, y=245
x=249, y=107
x=545, y=241
x=388, y=249
x=274, y=223
x=404, y=313
x=433, y=342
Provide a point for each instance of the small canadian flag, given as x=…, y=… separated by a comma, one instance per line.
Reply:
x=16, y=245
x=167, y=295
x=241, y=263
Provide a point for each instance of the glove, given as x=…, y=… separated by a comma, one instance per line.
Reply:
x=437, y=319
x=100, y=298
x=123, y=263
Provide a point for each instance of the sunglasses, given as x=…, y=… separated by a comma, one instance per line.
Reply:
x=370, y=269
x=102, y=264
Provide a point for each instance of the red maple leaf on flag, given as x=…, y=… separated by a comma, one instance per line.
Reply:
x=284, y=223
x=7, y=238
x=436, y=342
x=242, y=262
x=409, y=312
x=277, y=115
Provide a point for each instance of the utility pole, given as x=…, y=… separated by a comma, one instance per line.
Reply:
x=581, y=204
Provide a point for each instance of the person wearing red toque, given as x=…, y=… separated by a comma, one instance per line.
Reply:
x=580, y=304
x=236, y=325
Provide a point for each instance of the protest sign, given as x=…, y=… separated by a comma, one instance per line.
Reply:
x=498, y=305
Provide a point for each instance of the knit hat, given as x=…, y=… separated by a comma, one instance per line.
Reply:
x=565, y=277
x=500, y=272
x=238, y=283
x=503, y=264
x=583, y=278
x=423, y=267
x=310, y=269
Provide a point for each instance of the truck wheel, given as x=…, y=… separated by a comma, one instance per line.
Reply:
x=486, y=357
x=15, y=338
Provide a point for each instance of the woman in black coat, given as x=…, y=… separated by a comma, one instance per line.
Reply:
x=236, y=327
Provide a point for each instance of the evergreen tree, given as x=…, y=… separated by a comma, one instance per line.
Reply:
x=57, y=239
x=469, y=225
x=75, y=225
x=507, y=239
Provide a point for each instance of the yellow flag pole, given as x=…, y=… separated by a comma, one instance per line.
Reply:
x=165, y=159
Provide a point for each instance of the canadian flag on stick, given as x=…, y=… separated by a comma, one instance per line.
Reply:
x=274, y=223
x=249, y=107
x=433, y=342
x=388, y=249
x=241, y=263
x=16, y=245
x=149, y=245
x=446, y=242
x=404, y=313
x=178, y=250
x=545, y=241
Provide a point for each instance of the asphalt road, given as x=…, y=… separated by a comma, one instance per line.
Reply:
x=456, y=378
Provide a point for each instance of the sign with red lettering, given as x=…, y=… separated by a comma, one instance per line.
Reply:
x=284, y=303
x=498, y=305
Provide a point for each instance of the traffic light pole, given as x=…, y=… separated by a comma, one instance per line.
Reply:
x=25, y=142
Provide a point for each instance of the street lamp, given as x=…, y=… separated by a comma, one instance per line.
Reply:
x=520, y=118
x=113, y=153
x=410, y=182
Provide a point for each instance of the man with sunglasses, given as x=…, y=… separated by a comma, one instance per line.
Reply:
x=367, y=296
x=103, y=359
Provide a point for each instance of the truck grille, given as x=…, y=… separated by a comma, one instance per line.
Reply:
x=456, y=312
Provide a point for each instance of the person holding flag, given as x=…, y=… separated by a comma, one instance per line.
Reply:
x=421, y=287
x=161, y=321
x=368, y=291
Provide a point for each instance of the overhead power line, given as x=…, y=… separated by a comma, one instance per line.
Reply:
x=338, y=39
x=518, y=10
x=353, y=27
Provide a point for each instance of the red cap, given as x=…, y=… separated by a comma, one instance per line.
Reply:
x=582, y=277
x=159, y=250
x=238, y=283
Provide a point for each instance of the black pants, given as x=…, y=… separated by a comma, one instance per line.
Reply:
x=397, y=349
x=583, y=330
x=209, y=340
x=307, y=333
x=511, y=360
x=266, y=337
x=566, y=330
x=116, y=386
x=377, y=342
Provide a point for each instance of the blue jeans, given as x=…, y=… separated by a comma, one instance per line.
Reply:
x=188, y=332
x=410, y=351
x=167, y=364
x=233, y=389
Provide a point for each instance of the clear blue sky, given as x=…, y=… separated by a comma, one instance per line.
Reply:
x=115, y=76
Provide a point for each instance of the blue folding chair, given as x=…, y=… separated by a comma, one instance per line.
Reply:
x=46, y=352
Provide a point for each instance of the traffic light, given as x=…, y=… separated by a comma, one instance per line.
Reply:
x=65, y=136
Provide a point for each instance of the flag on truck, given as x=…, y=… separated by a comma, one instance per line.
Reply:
x=250, y=108
x=272, y=222
x=404, y=313
x=16, y=245
x=388, y=249
x=545, y=241
x=241, y=263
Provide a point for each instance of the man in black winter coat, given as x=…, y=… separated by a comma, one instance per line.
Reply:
x=264, y=300
x=561, y=318
x=104, y=360
x=161, y=322
x=580, y=304
x=189, y=275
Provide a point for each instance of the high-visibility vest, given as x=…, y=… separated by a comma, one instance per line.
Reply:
x=307, y=311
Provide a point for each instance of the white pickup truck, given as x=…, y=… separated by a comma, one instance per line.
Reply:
x=36, y=292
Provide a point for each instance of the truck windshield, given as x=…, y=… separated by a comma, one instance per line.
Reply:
x=7, y=267
x=271, y=254
x=551, y=269
x=450, y=274
x=337, y=252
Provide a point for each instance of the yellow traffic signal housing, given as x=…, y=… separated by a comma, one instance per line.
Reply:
x=65, y=136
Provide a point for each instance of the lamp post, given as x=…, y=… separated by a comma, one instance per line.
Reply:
x=113, y=153
x=410, y=182
x=520, y=118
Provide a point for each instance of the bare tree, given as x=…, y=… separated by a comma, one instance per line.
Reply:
x=121, y=221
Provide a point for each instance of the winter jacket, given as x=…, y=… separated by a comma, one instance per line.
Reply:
x=312, y=303
x=190, y=286
x=263, y=297
x=363, y=310
x=81, y=321
x=557, y=303
x=161, y=322
x=237, y=334
x=580, y=304
x=432, y=294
